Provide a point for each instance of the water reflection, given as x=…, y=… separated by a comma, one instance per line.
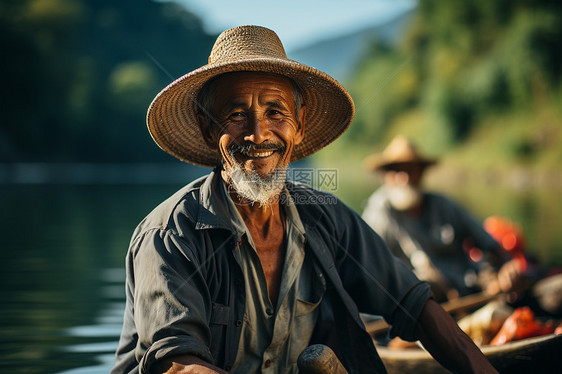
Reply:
x=62, y=263
x=106, y=327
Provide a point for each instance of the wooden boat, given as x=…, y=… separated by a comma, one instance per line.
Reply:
x=464, y=303
x=541, y=354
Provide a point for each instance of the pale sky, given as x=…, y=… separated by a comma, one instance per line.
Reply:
x=297, y=22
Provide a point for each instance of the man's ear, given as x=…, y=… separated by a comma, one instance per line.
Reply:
x=208, y=134
x=299, y=135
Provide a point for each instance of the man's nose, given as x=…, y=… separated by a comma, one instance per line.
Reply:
x=402, y=178
x=258, y=130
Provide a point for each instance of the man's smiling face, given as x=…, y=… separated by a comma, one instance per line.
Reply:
x=256, y=117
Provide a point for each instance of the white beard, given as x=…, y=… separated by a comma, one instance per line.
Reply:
x=403, y=197
x=251, y=186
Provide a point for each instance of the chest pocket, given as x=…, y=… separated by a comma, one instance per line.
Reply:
x=220, y=314
x=312, y=286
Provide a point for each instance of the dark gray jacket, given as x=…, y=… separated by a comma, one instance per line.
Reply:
x=185, y=291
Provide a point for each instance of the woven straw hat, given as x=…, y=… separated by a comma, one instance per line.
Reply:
x=400, y=151
x=172, y=116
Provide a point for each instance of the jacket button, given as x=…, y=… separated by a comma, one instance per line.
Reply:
x=267, y=363
x=238, y=323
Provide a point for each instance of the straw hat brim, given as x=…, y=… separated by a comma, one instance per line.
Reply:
x=172, y=115
x=379, y=163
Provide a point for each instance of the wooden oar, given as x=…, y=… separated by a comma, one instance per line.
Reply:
x=319, y=359
x=451, y=306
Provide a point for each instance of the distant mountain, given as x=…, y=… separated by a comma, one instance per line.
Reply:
x=338, y=56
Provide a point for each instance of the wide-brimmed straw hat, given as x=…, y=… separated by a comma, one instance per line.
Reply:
x=401, y=150
x=172, y=116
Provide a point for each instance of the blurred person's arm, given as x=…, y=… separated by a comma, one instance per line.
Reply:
x=499, y=271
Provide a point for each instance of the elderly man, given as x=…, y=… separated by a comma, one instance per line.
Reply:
x=440, y=241
x=241, y=270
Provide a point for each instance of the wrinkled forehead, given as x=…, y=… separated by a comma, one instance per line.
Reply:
x=237, y=81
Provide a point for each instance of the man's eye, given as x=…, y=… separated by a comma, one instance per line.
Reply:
x=274, y=112
x=237, y=116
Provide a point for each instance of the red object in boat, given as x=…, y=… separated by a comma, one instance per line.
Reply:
x=520, y=324
x=510, y=237
x=508, y=234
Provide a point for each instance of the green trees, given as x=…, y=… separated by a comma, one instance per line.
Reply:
x=77, y=76
x=463, y=69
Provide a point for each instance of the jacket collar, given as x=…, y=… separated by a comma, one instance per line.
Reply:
x=213, y=212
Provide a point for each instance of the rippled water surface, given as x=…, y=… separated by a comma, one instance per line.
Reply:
x=62, y=275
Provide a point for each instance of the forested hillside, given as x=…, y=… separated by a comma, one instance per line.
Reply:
x=77, y=76
x=478, y=81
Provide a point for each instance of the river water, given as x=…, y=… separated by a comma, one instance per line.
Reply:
x=62, y=261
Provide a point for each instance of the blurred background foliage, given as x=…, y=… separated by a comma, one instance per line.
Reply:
x=77, y=76
x=478, y=81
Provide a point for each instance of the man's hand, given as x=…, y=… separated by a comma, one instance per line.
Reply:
x=509, y=276
x=448, y=344
x=186, y=365
x=507, y=279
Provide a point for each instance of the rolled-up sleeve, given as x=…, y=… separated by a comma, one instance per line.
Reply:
x=405, y=317
x=171, y=299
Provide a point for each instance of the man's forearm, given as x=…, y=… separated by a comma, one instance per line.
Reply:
x=448, y=344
